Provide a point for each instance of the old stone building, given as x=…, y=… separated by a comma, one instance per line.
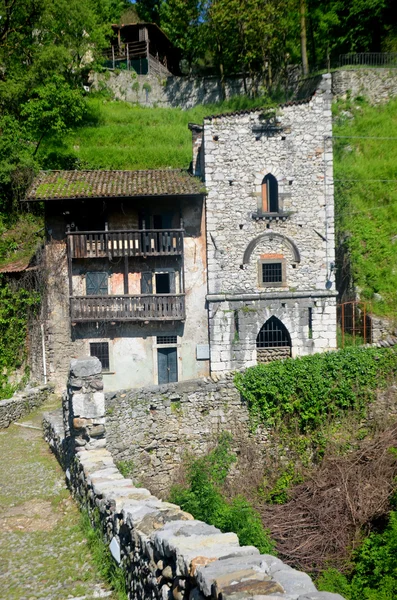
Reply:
x=125, y=268
x=166, y=276
x=270, y=231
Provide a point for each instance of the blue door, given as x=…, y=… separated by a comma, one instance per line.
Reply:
x=167, y=365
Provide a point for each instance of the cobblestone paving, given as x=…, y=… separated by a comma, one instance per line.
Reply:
x=43, y=553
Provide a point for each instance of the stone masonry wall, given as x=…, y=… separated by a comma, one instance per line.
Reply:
x=164, y=552
x=154, y=427
x=377, y=85
x=171, y=91
x=295, y=146
x=22, y=403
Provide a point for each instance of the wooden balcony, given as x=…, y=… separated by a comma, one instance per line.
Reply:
x=145, y=307
x=123, y=242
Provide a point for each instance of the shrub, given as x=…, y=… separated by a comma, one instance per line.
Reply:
x=304, y=392
x=203, y=498
x=374, y=575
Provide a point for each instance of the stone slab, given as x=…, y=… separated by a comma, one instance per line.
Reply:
x=84, y=367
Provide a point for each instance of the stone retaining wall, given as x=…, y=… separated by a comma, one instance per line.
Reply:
x=22, y=403
x=165, y=553
x=377, y=85
x=153, y=428
x=171, y=91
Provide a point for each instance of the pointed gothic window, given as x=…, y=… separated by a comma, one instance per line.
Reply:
x=273, y=334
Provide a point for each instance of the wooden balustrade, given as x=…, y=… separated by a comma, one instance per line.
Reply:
x=116, y=243
x=145, y=307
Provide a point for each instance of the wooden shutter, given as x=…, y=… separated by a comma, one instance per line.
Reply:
x=146, y=283
x=172, y=282
x=96, y=284
x=167, y=220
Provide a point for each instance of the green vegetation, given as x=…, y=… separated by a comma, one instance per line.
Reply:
x=126, y=467
x=302, y=394
x=101, y=556
x=15, y=305
x=374, y=573
x=231, y=36
x=203, y=498
x=119, y=135
x=366, y=200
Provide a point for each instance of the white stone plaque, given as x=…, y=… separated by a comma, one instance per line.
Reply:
x=203, y=352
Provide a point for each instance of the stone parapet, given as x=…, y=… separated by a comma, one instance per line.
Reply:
x=153, y=428
x=84, y=404
x=22, y=403
x=164, y=552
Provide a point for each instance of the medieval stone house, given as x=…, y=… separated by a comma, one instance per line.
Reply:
x=270, y=232
x=166, y=280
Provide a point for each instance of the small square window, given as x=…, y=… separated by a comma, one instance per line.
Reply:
x=271, y=273
x=101, y=351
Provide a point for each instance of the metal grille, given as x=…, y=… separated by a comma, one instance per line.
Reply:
x=101, y=351
x=272, y=272
x=166, y=339
x=273, y=334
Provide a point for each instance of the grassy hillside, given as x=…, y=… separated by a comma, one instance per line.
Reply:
x=118, y=135
x=366, y=200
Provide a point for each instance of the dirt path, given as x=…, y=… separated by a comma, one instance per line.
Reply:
x=43, y=553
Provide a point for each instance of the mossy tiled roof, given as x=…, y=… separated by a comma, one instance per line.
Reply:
x=66, y=185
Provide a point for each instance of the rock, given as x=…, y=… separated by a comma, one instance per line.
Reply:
x=83, y=367
x=294, y=582
x=97, y=430
x=88, y=405
x=167, y=572
x=321, y=596
x=79, y=423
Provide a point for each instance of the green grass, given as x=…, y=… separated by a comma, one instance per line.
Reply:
x=366, y=198
x=119, y=135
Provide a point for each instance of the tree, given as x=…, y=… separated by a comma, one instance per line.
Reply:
x=53, y=109
x=182, y=21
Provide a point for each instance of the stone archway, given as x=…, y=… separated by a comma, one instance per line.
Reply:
x=273, y=341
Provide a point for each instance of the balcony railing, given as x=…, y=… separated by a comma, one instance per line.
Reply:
x=146, y=307
x=123, y=242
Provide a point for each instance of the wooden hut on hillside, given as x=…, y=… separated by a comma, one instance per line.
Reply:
x=143, y=48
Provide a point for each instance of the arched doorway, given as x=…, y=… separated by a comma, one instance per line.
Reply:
x=273, y=341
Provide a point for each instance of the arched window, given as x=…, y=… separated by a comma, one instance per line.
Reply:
x=273, y=334
x=270, y=194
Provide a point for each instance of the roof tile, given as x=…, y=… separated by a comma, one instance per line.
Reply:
x=64, y=185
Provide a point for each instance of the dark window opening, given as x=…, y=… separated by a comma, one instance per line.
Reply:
x=167, y=365
x=310, y=322
x=273, y=334
x=163, y=283
x=96, y=284
x=270, y=194
x=236, y=326
x=272, y=272
x=166, y=339
x=101, y=351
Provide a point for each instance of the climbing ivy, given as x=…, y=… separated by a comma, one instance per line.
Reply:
x=15, y=306
x=303, y=393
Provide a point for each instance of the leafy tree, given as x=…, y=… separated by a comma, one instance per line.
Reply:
x=53, y=108
x=182, y=21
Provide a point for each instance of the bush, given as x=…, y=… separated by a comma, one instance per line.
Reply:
x=304, y=392
x=374, y=575
x=204, y=500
